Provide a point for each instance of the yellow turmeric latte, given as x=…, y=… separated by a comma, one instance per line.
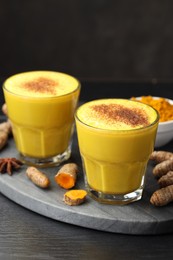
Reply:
x=116, y=138
x=41, y=106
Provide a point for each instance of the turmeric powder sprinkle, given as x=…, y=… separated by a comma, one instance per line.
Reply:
x=162, y=105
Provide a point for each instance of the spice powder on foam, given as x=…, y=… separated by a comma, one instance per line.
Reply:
x=41, y=85
x=112, y=113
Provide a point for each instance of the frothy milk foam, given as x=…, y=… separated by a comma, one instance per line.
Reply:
x=116, y=114
x=41, y=84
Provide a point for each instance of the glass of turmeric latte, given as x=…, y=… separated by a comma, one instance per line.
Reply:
x=41, y=106
x=116, y=138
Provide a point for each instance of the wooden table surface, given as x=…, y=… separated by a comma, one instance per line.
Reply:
x=27, y=235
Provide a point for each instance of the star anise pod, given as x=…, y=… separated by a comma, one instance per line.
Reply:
x=7, y=165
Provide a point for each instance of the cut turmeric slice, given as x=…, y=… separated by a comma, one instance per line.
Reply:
x=67, y=175
x=74, y=197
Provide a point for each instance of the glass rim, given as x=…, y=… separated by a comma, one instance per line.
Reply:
x=78, y=87
x=117, y=130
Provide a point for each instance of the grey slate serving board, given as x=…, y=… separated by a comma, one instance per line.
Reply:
x=137, y=218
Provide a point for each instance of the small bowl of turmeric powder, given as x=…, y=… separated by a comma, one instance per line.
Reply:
x=164, y=106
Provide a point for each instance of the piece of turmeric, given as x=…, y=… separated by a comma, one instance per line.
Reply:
x=162, y=105
x=37, y=177
x=5, y=130
x=164, y=172
x=160, y=156
x=162, y=196
x=3, y=139
x=166, y=180
x=67, y=175
x=4, y=109
x=74, y=197
x=6, y=127
x=162, y=168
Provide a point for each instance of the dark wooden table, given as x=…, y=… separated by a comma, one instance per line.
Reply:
x=28, y=235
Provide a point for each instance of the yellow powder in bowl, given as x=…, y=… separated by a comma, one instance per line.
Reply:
x=162, y=105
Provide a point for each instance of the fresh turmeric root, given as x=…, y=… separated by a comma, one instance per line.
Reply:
x=166, y=180
x=160, y=156
x=6, y=127
x=37, y=177
x=164, y=172
x=162, y=196
x=5, y=130
x=162, y=168
x=3, y=139
x=74, y=197
x=67, y=175
x=4, y=109
x=164, y=162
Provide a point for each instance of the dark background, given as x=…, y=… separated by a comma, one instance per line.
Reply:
x=90, y=39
